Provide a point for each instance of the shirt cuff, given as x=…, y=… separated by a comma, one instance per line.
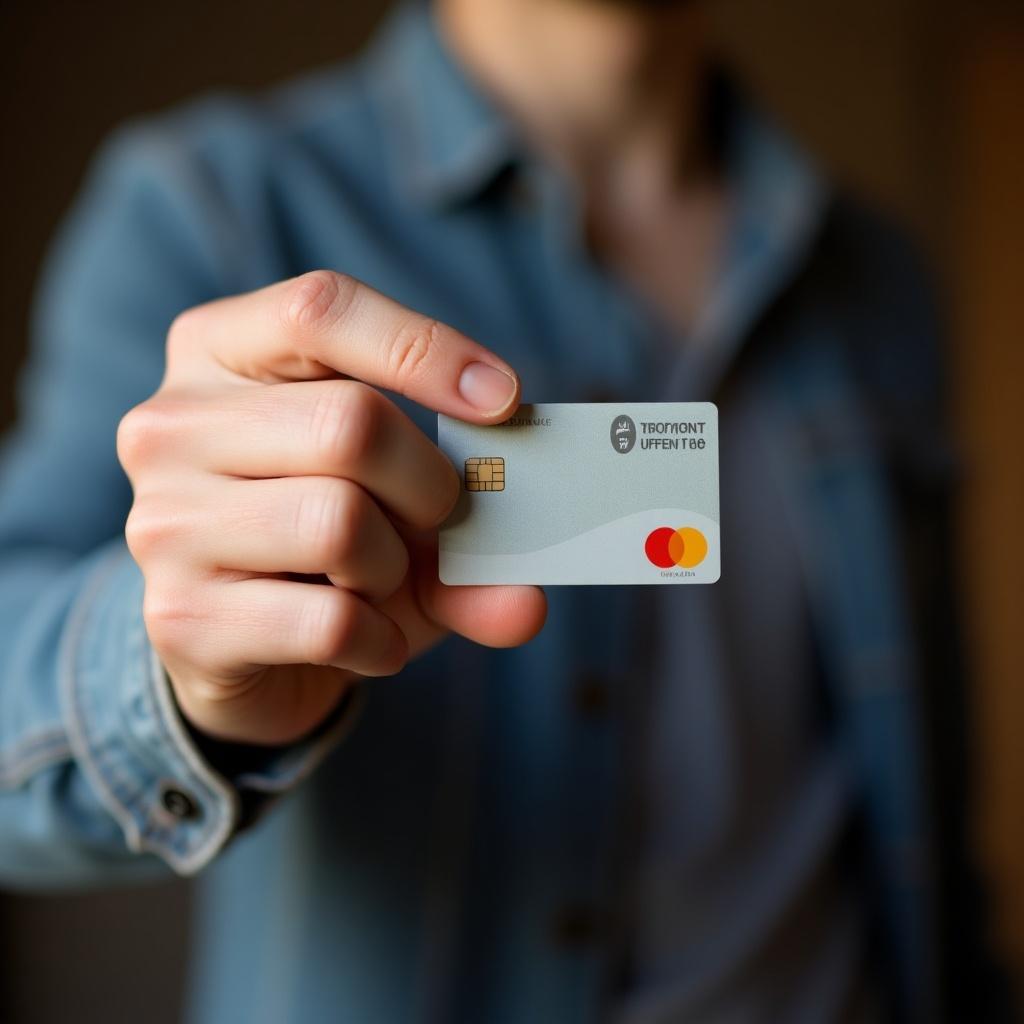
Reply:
x=133, y=746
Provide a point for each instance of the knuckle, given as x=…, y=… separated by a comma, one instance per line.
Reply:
x=316, y=300
x=413, y=350
x=328, y=521
x=183, y=334
x=345, y=422
x=147, y=530
x=136, y=435
x=328, y=626
x=144, y=430
x=166, y=612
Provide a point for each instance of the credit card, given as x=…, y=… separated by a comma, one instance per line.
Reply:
x=585, y=494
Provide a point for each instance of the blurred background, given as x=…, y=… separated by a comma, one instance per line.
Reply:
x=917, y=104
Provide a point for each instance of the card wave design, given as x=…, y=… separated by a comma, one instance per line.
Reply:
x=613, y=552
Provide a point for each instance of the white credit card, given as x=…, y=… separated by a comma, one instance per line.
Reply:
x=588, y=493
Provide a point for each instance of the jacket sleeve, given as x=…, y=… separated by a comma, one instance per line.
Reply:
x=99, y=777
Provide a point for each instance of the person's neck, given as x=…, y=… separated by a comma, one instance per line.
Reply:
x=608, y=92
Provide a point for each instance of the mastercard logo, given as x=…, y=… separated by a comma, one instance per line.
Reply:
x=685, y=547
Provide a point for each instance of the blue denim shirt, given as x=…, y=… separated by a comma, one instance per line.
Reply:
x=460, y=844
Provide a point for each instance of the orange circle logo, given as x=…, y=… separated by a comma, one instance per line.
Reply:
x=685, y=547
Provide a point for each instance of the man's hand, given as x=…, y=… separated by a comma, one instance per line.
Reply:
x=285, y=518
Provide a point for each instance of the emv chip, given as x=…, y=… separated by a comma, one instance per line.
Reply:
x=485, y=474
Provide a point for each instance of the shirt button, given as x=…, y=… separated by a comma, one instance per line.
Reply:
x=576, y=924
x=591, y=695
x=178, y=803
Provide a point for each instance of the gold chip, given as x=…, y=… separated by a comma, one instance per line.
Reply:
x=485, y=474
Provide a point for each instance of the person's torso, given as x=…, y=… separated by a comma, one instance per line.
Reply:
x=640, y=813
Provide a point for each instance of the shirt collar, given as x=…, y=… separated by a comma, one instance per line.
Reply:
x=779, y=199
x=451, y=140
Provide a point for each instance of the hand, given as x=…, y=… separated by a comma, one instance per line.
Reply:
x=285, y=518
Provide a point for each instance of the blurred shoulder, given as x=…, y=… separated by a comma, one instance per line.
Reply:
x=232, y=136
x=239, y=181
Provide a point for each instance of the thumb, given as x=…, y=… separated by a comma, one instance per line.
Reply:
x=496, y=616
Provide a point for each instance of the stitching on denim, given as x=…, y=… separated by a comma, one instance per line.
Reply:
x=170, y=845
x=108, y=781
x=30, y=758
x=77, y=733
x=226, y=803
x=26, y=746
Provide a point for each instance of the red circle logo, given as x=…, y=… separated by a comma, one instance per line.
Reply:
x=685, y=547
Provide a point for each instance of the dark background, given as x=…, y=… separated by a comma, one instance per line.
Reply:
x=916, y=104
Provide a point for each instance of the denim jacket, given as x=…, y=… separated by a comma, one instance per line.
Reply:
x=395, y=168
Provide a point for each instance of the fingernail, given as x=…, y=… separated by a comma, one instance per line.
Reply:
x=486, y=387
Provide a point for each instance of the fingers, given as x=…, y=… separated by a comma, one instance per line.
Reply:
x=308, y=525
x=338, y=428
x=255, y=458
x=324, y=323
x=234, y=628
